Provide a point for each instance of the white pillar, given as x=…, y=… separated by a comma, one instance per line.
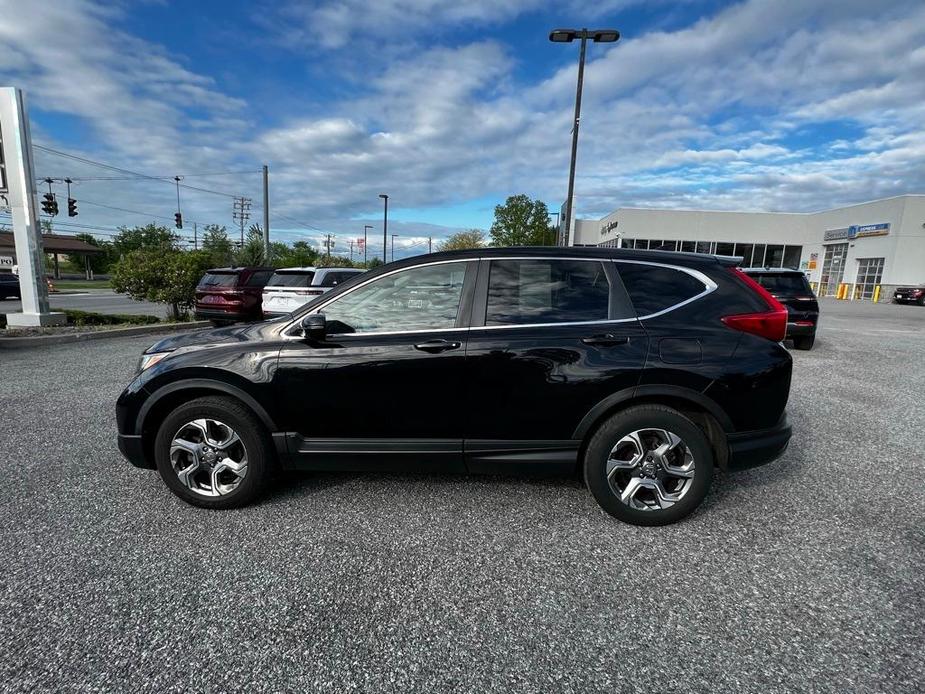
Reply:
x=20, y=181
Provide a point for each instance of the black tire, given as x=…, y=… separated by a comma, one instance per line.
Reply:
x=260, y=455
x=642, y=417
x=805, y=342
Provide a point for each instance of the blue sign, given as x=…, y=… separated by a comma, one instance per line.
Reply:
x=868, y=230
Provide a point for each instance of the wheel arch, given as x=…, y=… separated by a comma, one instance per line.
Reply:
x=166, y=398
x=702, y=410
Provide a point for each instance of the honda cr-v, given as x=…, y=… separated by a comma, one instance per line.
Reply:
x=643, y=370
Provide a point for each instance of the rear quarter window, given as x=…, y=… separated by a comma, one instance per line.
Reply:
x=655, y=288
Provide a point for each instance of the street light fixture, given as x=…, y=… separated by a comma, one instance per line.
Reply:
x=567, y=36
x=385, y=225
x=366, y=229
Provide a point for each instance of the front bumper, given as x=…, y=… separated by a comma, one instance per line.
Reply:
x=753, y=448
x=131, y=447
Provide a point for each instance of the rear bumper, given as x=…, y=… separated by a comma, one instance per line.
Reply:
x=753, y=448
x=130, y=446
x=213, y=314
x=794, y=330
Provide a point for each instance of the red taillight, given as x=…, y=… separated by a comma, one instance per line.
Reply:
x=771, y=324
x=918, y=292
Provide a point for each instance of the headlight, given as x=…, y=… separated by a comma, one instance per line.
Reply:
x=149, y=360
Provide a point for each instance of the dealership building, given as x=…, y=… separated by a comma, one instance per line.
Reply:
x=858, y=247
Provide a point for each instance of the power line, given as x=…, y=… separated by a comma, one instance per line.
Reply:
x=136, y=174
x=83, y=179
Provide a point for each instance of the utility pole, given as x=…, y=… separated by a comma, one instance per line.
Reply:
x=195, y=237
x=241, y=213
x=266, y=212
x=366, y=229
x=351, y=249
x=430, y=244
x=328, y=242
x=385, y=225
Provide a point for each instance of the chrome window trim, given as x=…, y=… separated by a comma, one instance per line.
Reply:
x=709, y=285
x=285, y=331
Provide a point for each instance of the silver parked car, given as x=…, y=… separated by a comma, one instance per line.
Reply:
x=292, y=287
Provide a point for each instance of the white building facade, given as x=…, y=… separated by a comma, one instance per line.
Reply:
x=878, y=243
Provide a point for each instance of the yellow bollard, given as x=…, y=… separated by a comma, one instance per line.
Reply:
x=876, y=293
x=840, y=292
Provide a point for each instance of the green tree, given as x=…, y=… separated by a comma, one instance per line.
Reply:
x=300, y=254
x=461, y=240
x=336, y=261
x=217, y=245
x=148, y=237
x=161, y=276
x=46, y=226
x=252, y=252
x=374, y=262
x=521, y=221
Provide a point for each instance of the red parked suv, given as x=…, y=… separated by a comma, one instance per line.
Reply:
x=229, y=294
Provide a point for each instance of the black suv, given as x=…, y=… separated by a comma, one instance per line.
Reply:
x=791, y=288
x=9, y=285
x=642, y=369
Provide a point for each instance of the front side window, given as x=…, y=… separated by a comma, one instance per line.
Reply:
x=419, y=298
x=546, y=291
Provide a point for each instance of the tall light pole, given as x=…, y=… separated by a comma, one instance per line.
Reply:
x=366, y=229
x=394, y=236
x=567, y=36
x=385, y=225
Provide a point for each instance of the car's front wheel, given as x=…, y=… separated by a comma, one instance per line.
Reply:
x=649, y=465
x=213, y=452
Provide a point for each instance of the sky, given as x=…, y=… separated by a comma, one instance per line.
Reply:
x=450, y=106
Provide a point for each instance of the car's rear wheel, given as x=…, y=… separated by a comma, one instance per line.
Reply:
x=805, y=342
x=213, y=452
x=649, y=465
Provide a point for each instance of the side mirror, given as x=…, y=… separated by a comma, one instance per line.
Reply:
x=314, y=326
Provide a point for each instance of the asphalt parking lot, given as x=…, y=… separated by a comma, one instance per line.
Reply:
x=804, y=575
x=96, y=301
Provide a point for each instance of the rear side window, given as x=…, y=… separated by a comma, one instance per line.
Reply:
x=291, y=279
x=790, y=283
x=219, y=279
x=654, y=288
x=546, y=291
x=260, y=278
x=331, y=279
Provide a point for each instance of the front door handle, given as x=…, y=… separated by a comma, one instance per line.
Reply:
x=606, y=340
x=435, y=346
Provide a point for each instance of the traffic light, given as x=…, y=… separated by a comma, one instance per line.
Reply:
x=49, y=204
x=71, y=207
x=178, y=220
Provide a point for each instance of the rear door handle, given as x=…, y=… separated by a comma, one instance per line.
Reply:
x=435, y=346
x=606, y=340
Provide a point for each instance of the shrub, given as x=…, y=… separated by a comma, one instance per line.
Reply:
x=163, y=276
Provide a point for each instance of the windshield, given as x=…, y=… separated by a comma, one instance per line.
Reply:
x=783, y=284
x=291, y=279
x=219, y=279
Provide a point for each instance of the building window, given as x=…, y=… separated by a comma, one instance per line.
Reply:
x=792, y=255
x=689, y=246
x=870, y=272
x=723, y=248
x=774, y=256
x=704, y=246
x=745, y=250
x=758, y=255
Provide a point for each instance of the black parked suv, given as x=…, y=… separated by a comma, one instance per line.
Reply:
x=643, y=370
x=791, y=288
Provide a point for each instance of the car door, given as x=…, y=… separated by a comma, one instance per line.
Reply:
x=385, y=387
x=550, y=339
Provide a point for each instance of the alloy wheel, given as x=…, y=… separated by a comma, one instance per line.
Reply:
x=650, y=469
x=208, y=457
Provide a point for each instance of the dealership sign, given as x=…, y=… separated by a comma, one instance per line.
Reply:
x=607, y=228
x=7, y=261
x=857, y=232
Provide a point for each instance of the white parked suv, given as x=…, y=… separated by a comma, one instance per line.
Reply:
x=292, y=287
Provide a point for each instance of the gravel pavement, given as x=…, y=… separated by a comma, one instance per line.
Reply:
x=806, y=575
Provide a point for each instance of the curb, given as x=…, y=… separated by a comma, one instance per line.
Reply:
x=44, y=340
